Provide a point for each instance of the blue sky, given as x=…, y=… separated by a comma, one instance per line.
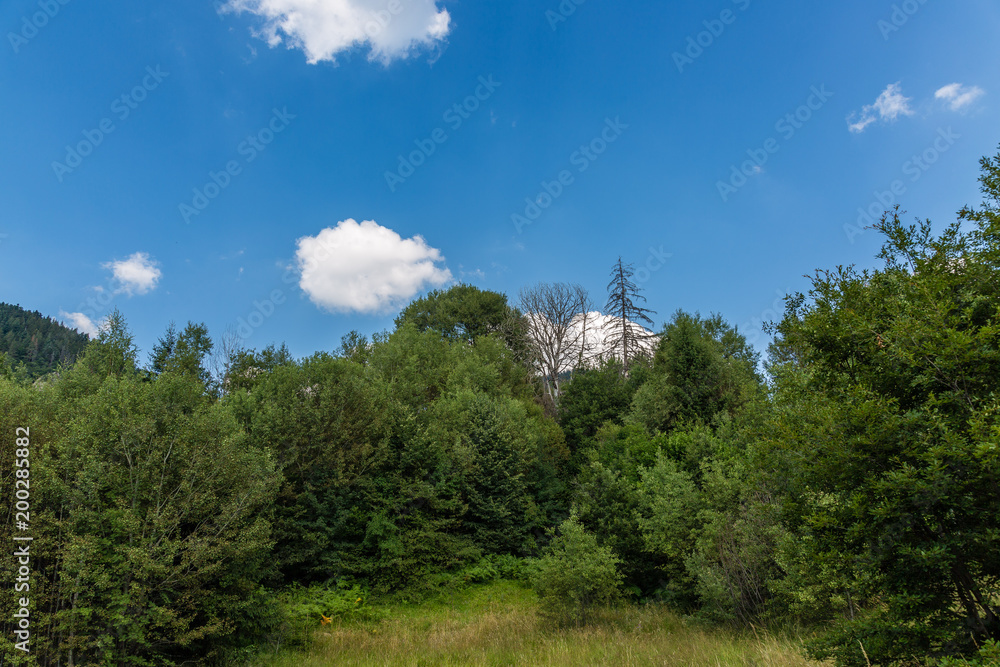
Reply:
x=227, y=163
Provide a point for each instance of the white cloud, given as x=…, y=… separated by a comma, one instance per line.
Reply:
x=82, y=323
x=366, y=268
x=325, y=28
x=957, y=96
x=136, y=275
x=861, y=125
x=889, y=106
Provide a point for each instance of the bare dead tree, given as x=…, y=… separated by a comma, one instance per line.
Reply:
x=230, y=345
x=554, y=337
x=626, y=338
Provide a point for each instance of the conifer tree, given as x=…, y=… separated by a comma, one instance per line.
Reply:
x=626, y=339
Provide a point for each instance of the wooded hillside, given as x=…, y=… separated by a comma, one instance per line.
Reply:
x=39, y=342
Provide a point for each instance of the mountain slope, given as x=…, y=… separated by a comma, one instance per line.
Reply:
x=40, y=343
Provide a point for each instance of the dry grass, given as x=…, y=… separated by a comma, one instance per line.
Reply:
x=498, y=625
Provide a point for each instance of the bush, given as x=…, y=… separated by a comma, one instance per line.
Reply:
x=575, y=574
x=491, y=568
x=988, y=656
x=304, y=610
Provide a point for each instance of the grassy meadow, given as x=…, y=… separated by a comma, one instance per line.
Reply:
x=498, y=624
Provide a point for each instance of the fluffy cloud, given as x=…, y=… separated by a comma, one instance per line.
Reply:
x=136, y=275
x=890, y=105
x=957, y=96
x=325, y=28
x=366, y=268
x=81, y=323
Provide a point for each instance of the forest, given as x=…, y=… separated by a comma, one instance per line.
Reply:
x=219, y=501
x=34, y=345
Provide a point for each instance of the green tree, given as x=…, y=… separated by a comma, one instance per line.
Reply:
x=591, y=398
x=183, y=353
x=149, y=511
x=490, y=439
x=702, y=368
x=163, y=350
x=245, y=368
x=328, y=424
x=114, y=352
x=887, y=438
x=668, y=506
x=626, y=340
x=575, y=575
x=465, y=313
x=736, y=563
x=606, y=502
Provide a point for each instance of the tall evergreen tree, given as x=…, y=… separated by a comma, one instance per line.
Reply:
x=163, y=350
x=627, y=339
x=183, y=353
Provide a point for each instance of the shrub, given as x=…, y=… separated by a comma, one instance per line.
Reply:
x=303, y=610
x=987, y=656
x=575, y=574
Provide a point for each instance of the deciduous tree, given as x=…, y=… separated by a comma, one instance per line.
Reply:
x=888, y=436
x=555, y=338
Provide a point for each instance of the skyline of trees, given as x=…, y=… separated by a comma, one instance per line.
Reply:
x=851, y=491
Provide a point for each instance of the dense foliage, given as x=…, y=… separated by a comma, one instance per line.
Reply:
x=893, y=401
x=186, y=516
x=575, y=575
x=35, y=343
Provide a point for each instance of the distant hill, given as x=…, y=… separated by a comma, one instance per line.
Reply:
x=40, y=343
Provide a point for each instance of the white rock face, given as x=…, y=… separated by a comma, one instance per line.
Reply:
x=598, y=327
x=583, y=345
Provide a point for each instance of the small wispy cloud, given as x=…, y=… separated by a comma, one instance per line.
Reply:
x=476, y=274
x=957, y=96
x=81, y=323
x=889, y=106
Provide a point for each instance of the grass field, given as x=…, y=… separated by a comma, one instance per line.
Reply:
x=497, y=625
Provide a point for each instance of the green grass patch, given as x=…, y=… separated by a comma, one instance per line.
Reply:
x=498, y=624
